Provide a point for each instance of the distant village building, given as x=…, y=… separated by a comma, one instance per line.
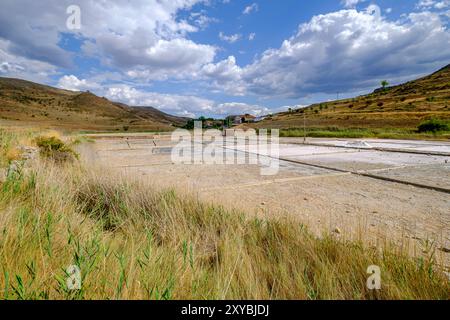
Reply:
x=212, y=124
x=259, y=119
x=247, y=118
x=236, y=120
x=239, y=119
x=208, y=123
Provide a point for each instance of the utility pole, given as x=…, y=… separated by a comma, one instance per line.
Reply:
x=304, y=125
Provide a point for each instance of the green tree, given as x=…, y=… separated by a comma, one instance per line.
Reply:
x=384, y=84
x=189, y=125
x=434, y=125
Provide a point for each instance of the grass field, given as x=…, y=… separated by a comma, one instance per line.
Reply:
x=131, y=241
x=381, y=133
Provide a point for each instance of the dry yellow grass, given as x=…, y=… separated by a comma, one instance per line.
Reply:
x=134, y=242
x=51, y=133
x=13, y=154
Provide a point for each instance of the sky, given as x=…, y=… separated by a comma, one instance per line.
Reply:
x=220, y=57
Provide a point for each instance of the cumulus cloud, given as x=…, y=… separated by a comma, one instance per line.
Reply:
x=226, y=76
x=20, y=67
x=182, y=105
x=201, y=20
x=229, y=38
x=30, y=35
x=229, y=108
x=351, y=3
x=442, y=4
x=177, y=58
x=147, y=34
x=175, y=104
x=6, y=67
x=225, y=70
x=71, y=82
x=429, y=4
x=426, y=3
x=343, y=51
x=251, y=8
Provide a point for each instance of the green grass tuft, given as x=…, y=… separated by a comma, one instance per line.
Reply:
x=434, y=125
x=54, y=148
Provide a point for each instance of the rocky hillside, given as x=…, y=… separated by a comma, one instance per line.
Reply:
x=152, y=113
x=27, y=103
x=402, y=106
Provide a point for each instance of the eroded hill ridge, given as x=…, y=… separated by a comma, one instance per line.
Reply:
x=32, y=103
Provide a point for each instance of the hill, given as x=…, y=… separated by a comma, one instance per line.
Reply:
x=401, y=106
x=27, y=103
x=152, y=113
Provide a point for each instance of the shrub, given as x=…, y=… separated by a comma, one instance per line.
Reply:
x=55, y=149
x=433, y=125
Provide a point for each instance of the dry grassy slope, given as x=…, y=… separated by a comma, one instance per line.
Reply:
x=402, y=106
x=24, y=102
x=153, y=113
